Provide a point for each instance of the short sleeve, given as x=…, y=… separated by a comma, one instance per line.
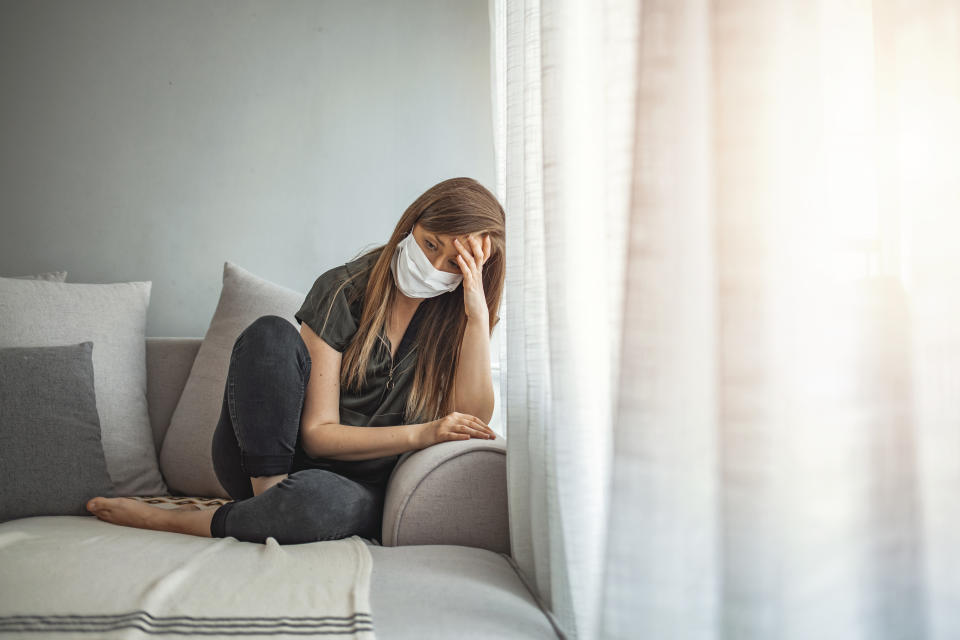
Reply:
x=327, y=311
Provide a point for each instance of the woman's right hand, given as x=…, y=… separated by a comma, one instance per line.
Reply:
x=454, y=426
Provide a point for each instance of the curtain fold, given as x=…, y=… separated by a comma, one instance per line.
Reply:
x=731, y=368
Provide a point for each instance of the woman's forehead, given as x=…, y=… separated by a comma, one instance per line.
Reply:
x=444, y=236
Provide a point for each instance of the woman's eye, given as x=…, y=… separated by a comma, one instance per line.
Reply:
x=430, y=245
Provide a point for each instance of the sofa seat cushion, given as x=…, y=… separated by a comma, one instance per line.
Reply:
x=451, y=591
x=417, y=591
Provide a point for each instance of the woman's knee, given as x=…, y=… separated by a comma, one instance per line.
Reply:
x=270, y=327
x=271, y=333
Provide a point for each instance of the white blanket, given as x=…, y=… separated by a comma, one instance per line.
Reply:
x=80, y=577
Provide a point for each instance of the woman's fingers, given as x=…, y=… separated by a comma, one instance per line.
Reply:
x=481, y=426
x=477, y=433
x=477, y=245
x=467, y=273
x=464, y=254
x=473, y=424
x=463, y=267
x=480, y=249
x=467, y=255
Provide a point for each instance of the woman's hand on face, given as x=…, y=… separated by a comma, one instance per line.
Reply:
x=471, y=260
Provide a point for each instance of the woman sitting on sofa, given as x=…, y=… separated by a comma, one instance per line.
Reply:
x=397, y=339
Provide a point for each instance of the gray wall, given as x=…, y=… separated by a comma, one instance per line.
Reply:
x=150, y=140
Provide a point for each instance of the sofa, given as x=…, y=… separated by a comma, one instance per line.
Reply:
x=441, y=569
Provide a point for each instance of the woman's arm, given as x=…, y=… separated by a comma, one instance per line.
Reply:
x=322, y=435
x=346, y=442
x=473, y=385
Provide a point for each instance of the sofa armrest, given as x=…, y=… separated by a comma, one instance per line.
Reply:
x=452, y=492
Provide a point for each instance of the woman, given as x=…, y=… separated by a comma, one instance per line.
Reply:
x=397, y=339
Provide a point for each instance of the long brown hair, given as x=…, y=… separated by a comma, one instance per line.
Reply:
x=458, y=206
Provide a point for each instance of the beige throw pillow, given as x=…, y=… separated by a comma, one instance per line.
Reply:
x=185, y=456
x=51, y=276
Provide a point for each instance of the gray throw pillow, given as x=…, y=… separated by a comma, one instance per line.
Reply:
x=51, y=456
x=185, y=457
x=37, y=313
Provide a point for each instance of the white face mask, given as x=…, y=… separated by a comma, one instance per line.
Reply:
x=415, y=276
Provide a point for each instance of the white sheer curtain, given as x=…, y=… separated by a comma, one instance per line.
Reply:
x=731, y=367
x=563, y=141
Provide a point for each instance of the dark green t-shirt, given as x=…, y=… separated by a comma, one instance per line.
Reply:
x=328, y=312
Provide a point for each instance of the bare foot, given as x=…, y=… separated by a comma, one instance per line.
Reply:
x=126, y=511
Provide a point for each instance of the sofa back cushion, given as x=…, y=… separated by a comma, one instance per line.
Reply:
x=168, y=366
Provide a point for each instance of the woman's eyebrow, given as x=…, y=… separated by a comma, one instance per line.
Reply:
x=438, y=240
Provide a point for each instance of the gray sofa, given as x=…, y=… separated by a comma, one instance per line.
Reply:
x=443, y=569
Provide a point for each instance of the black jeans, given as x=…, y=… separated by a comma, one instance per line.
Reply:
x=258, y=435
